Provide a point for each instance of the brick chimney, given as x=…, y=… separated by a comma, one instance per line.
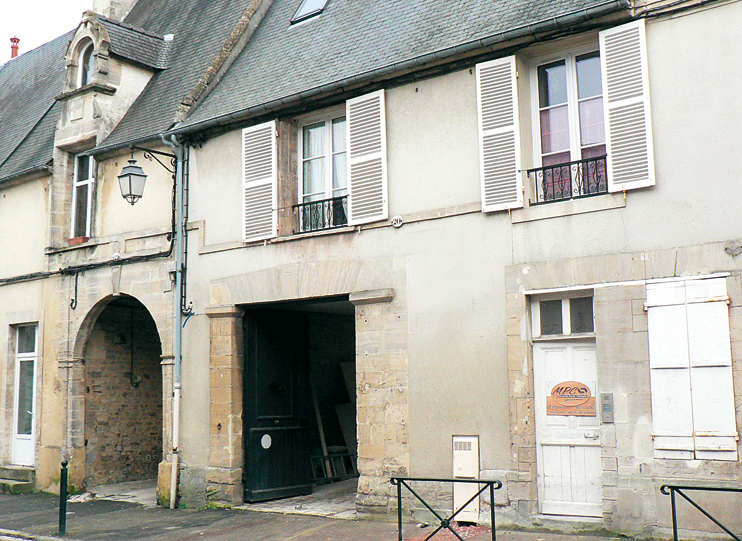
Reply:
x=14, y=47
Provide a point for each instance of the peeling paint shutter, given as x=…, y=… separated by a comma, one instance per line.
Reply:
x=259, y=179
x=367, y=185
x=499, y=135
x=623, y=54
x=672, y=414
x=693, y=411
x=709, y=352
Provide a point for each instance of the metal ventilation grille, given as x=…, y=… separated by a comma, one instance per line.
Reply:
x=459, y=445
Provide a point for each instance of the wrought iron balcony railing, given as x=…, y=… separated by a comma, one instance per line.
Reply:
x=324, y=214
x=570, y=180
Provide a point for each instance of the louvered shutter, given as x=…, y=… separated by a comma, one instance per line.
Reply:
x=259, y=182
x=499, y=135
x=367, y=176
x=623, y=54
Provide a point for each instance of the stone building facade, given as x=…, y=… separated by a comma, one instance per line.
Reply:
x=454, y=271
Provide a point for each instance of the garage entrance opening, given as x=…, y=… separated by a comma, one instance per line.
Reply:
x=123, y=395
x=299, y=399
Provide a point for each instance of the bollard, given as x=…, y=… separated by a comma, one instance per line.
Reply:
x=63, y=499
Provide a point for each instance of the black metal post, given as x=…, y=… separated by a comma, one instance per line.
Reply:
x=674, y=518
x=399, y=510
x=492, y=512
x=63, y=499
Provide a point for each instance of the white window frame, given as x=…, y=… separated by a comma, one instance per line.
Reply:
x=89, y=183
x=302, y=15
x=569, y=56
x=566, y=315
x=326, y=116
x=88, y=46
x=21, y=357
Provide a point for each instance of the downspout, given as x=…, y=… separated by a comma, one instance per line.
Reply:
x=178, y=150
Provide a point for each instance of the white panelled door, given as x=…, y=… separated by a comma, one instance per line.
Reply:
x=567, y=446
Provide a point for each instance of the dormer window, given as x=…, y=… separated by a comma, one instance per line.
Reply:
x=85, y=66
x=307, y=9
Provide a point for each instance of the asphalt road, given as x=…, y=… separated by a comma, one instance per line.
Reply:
x=103, y=520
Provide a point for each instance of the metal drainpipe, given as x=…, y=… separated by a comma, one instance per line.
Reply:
x=177, y=313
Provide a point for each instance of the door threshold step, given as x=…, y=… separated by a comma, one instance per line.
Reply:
x=13, y=486
x=18, y=473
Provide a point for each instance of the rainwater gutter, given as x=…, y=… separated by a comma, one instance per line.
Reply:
x=532, y=30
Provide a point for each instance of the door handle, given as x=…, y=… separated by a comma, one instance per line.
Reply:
x=591, y=436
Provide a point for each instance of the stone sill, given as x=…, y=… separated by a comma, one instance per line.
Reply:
x=92, y=87
x=558, y=337
x=569, y=208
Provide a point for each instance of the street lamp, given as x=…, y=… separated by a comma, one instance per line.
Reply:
x=131, y=181
x=132, y=177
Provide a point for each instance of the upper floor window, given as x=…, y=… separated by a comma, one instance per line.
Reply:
x=590, y=118
x=307, y=9
x=82, y=195
x=341, y=177
x=323, y=173
x=85, y=65
x=571, y=142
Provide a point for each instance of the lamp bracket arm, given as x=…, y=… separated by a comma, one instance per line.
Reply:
x=150, y=154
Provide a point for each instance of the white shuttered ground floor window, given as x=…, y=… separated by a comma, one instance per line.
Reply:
x=693, y=413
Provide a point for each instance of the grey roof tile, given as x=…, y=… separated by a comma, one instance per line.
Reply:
x=28, y=116
x=353, y=38
x=137, y=44
x=200, y=27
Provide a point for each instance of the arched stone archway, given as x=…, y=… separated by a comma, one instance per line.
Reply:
x=123, y=418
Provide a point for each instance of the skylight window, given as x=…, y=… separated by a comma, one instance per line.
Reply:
x=307, y=9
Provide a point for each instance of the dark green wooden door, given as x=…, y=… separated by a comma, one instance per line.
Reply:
x=276, y=399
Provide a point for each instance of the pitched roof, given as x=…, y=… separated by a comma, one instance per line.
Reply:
x=28, y=115
x=200, y=28
x=355, y=40
x=136, y=44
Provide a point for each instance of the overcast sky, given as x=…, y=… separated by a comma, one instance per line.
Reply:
x=36, y=22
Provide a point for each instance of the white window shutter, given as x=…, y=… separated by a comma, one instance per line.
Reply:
x=672, y=414
x=259, y=178
x=623, y=56
x=712, y=391
x=693, y=410
x=367, y=174
x=499, y=135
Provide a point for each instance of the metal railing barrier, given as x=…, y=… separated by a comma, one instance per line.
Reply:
x=324, y=214
x=569, y=180
x=672, y=489
x=445, y=522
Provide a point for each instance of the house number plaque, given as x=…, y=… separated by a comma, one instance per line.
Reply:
x=571, y=398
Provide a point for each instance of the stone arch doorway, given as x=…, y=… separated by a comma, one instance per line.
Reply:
x=123, y=395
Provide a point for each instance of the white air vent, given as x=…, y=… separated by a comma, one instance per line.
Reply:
x=466, y=466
